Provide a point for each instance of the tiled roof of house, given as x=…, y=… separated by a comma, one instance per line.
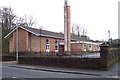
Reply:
x=59, y=35
x=40, y=32
x=53, y=34
x=45, y=32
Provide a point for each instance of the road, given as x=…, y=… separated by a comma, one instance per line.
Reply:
x=12, y=72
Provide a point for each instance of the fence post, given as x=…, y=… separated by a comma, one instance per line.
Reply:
x=104, y=56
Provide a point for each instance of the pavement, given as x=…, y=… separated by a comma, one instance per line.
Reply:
x=112, y=73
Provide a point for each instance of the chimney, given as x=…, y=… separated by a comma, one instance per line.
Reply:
x=67, y=36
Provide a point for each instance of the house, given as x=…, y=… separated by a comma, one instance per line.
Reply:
x=37, y=40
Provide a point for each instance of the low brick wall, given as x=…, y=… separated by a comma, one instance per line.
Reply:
x=88, y=63
x=8, y=58
x=113, y=56
x=108, y=56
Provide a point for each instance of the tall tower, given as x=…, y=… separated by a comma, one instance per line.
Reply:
x=67, y=36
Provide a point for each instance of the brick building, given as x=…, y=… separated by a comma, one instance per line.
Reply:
x=35, y=40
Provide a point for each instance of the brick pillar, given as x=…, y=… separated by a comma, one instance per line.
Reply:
x=104, y=56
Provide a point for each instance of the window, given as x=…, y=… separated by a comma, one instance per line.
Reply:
x=47, y=41
x=47, y=45
x=85, y=45
x=56, y=44
x=95, y=46
x=90, y=46
x=56, y=47
x=56, y=41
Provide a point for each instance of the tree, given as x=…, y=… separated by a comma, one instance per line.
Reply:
x=27, y=21
x=7, y=17
x=31, y=21
x=78, y=30
x=75, y=29
x=6, y=20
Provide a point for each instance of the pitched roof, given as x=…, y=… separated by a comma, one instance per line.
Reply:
x=45, y=32
x=40, y=32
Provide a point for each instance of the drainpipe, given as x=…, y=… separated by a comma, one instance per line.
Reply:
x=40, y=40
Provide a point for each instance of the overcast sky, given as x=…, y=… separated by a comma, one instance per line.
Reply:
x=97, y=16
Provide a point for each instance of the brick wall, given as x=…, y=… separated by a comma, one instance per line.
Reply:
x=39, y=43
x=30, y=42
x=52, y=44
x=35, y=43
x=43, y=44
x=23, y=40
x=93, y=47
x=86, y=63
x=27, y=42
x=80, y=47
x=11, y=48
x=76, y=47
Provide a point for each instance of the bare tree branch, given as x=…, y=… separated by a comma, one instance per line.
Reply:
x=78, y=30
x=7, y=17
x=27, y=21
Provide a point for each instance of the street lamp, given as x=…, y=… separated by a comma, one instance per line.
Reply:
x=17, y=43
